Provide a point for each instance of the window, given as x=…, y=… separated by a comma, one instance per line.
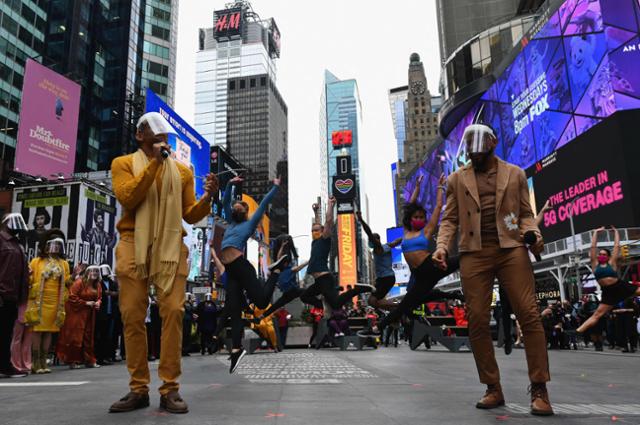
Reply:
x=232, y=85
x=243, y=84
x=252, y=82
x=263, y=81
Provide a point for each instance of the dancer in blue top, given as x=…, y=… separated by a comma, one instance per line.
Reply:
x=415, y=247
x=324, y=283
x=604, y=264
x=242, y=278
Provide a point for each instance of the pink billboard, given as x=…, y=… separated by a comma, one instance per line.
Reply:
x=48, y=123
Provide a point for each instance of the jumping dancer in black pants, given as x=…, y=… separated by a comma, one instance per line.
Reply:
x=385, y=276
x=415, y=247
x=242, y=279
x=287, y=282
x=318, y=267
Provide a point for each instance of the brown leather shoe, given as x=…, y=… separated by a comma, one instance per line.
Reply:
x=493, y=398
x=130, y=402
x=540, y=405
x=173, y=403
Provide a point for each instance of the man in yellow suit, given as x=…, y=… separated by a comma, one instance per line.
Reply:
x=156, y=193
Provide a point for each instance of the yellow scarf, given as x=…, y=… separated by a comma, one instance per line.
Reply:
x=158, y=231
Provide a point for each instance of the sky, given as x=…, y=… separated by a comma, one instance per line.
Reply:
x=364, y=40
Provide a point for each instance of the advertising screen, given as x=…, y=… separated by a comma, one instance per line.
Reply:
x=400, y=266
x=189, y=147
x=228, y=23
x=48, y=123
x=87, y=217
x=347, y=249
x=225, y=167
x=598, y=191
x=576, y=67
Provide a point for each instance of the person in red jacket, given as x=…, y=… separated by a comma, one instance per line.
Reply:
x=460, y=314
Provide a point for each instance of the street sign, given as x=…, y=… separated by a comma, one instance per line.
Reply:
x=201, y=290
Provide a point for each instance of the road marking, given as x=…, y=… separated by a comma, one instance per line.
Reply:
x=44, y=384
x=584, y=409
x=299, y=368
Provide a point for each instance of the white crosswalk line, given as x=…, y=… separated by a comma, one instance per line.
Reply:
x=43, y=384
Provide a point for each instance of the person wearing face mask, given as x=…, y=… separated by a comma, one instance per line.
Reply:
x=488, y=208
x=49, y=279
x=604, y=264
x=324, y=284
x=156, y=193
x=75, y=346
x=242, y=278
x=415, y=248
x=14, y=288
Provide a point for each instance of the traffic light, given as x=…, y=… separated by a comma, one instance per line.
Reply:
x=624, y=251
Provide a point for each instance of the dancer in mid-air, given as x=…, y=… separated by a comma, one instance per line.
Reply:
x=318, y=268
x=415, y=247
x=243, y=281
x=604, y=264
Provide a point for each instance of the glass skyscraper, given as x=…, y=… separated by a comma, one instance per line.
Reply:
x=398, y=104
x=22, y=33
x=340, y=109
x=112, y=49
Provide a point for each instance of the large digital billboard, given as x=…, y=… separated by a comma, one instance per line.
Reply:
x=48, y=123
x=576, y=67
x=189, y=147
x=598, y=190
x=228, y=23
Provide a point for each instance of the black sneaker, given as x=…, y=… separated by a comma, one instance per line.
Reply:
x=13, y=373
x=369, y=333
x=364, y=287
x=279, y=264
x=236, y=358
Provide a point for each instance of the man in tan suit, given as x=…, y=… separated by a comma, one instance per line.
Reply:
x=488, y=207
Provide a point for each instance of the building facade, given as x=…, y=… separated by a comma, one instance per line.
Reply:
x=113, y=50
x=420, y=128
x=23, y=25
x=257, y=135
x=238, y=105
x=222, y=56
x=341, y=109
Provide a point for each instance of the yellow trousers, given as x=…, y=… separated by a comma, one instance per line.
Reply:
x=134, y=300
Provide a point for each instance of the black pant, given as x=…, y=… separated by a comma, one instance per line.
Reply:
x=242, y=279
x=326, y=286
x=427, y=275
x=284, y=299
x=206, y=341
x=283, y=335
x=8, y=316
x=629, y=330
x=104, y=337
x=314, y=332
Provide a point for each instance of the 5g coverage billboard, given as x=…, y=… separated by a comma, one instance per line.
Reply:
x=574, y=69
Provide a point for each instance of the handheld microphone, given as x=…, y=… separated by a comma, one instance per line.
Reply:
x=164, y=152
x=530, y=238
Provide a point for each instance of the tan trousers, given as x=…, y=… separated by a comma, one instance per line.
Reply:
x=134, y=300
x=512, y=267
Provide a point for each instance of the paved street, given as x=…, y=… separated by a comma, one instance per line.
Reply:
x=387, y=386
